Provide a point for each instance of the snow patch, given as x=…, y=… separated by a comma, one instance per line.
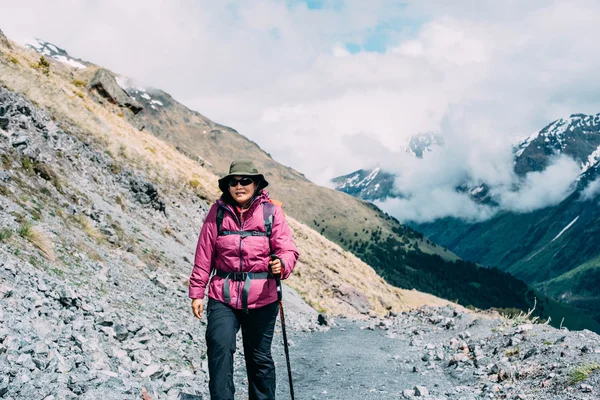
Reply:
x=565, y=228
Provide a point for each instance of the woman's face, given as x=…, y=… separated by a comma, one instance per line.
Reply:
x=240, y=193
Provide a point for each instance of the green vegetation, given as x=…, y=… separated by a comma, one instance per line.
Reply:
x=5, y=234
x=408, y=267
x=583, y=372
x=43, y=65
x=25, y=230
x=78, y=83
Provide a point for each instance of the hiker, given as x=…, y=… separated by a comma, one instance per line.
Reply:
x=244, y=242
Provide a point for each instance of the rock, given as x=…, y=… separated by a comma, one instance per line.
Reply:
x=464, y=335
x=323, y=320
x=41, y=348
x=409, y=394
x=353, y=297
x=121, y=332
x=530, y=353
x=67, y=296
x=106, y=86
x=5, y=291
x=586, y=388
x=524, y=328
x=4, y=43
x=153, y=371
x=142, y=356
x=421, y=391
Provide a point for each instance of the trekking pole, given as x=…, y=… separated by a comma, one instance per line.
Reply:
x=285, y=342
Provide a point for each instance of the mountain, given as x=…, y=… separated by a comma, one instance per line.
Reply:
x=396, y=252
x=577, y=137
x=377, y=184
x=423, y=143
x=556, y=249
x=367, y=185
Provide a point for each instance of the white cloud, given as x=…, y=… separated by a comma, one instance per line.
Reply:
x=541, y=189
x=592, y=190
x=476, y=72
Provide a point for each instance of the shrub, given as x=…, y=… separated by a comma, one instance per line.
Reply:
x=43, y=65
x=78, y=83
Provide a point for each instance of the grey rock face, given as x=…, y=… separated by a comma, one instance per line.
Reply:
x=4, y=41
x=106, y=85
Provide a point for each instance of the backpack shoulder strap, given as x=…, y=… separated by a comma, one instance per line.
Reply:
x=220, y=215
x=268, y=212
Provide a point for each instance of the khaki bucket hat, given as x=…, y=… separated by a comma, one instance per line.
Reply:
x=243, y=168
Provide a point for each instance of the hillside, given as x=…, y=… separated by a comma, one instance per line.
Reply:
x=72, y=164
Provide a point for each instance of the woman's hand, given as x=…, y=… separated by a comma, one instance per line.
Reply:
x=197, y=307
x=275, y=266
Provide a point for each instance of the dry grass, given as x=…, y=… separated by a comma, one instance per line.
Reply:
x=89, y=228
x=39, y=239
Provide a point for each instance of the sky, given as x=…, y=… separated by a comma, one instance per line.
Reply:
x=331, y=86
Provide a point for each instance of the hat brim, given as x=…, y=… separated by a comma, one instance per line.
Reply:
x=224, y=182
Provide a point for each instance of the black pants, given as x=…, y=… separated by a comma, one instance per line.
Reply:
x=258, y=326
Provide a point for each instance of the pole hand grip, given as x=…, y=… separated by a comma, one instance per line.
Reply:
x=277, y=281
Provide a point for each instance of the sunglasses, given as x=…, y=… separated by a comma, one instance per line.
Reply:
x=244, y=182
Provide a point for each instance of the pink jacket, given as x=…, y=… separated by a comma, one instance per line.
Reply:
x=232, y=253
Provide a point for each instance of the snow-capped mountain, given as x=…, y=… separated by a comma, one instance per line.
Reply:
x=367, y=185
x=378, y=184
x=148, y=97
x=422, y=143
x=577, y=136
x=49, y=50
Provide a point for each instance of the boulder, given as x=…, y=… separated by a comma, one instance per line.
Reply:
x=4, y=43
x=105, y=84
x=353, y=297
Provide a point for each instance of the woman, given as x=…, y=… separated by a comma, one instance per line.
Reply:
x=245, y=241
